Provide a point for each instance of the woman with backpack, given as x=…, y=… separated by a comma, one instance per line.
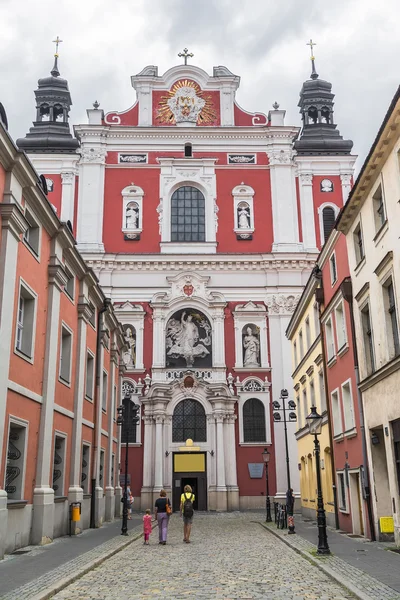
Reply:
x=186, y=508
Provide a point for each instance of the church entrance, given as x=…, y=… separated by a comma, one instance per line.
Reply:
x=190, y=469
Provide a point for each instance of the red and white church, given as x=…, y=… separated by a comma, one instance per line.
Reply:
x=202, y=222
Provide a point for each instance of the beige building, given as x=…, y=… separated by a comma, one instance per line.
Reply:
x=370, y=221
x=308, y=384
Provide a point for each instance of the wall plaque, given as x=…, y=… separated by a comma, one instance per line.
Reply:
x=255, y=470
x=132, y=158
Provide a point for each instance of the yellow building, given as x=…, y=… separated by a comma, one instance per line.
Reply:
x=308, y=384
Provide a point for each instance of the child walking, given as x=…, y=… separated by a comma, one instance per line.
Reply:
x=147, y=526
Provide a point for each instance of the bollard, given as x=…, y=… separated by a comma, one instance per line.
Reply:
x=74, y=514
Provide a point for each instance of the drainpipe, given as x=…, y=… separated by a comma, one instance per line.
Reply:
x=107, y=302
x=320, y=299
x=346, y=288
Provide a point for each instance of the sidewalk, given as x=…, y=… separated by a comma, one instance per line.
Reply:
x=42, y=567
x=374, y=571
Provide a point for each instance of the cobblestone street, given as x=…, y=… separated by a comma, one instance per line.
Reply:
x=229, y=557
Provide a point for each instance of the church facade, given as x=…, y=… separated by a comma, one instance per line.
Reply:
x=202, y=222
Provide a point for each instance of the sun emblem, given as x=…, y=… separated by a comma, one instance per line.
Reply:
x=186, y=103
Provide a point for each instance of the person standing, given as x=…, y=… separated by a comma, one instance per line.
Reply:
x=162, y=515
x=147, y=526
x=187, y=511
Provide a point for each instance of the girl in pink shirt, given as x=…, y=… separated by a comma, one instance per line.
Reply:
x=147, y=526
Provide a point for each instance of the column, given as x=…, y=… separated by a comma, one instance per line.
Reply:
x=219, y=339
x=230, y=463
x=43, y=494
x=220, y=452
x=147, y=489
x=307, y=212
x=159, y=454
x=345, y=178
x=75, y=492
x=12, y=225
x=67, y=196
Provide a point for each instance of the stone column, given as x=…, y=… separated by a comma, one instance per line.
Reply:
x=75, y=492
x=221, y=485
x=159, y=454
x=43, y=494
x=345, y=178
x=230, y=463
x=147, y=489
x=307, y=212
x=67, y=196
x=13, y=224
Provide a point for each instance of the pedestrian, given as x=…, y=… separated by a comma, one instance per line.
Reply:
x=130, y=500
x=186, y=508
x=161, y=513
x=147, y=526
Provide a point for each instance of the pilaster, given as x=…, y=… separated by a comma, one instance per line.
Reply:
x=159, y=454
x=148, y=461
x=230, y=463
x=221, y=497
x=307, y=212
x=67, y=196
x=345, y=179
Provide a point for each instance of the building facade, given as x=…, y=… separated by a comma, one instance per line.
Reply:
x=369, y=222
x=202, y=222
x=60, y=379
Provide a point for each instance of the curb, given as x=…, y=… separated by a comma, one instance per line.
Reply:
x=318, y=563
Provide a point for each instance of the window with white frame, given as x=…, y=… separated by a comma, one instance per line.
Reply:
x=368, y=339
x=65, y=354
x=26, y=316
x=342, y=493
x=312, y=393
x=243, y=211
x=322, y=391
x=336, y=413
x=69, y=287
x=32, y=234
x=308, y=333
x=115, y=403
x=301, y=345
x=328, y=220
x=295, y=353
x=378, y=207
x=316, y=319
x=330, y=344
x=89, y=375
x=341, y=334
x=59, y=465
x=392, y=329
x=14, y=476
x=333, y=269
x=348, y=409
x=101, y=468
x=305, y=406
x=92, y=318
x=299, y=414
x=254, y=421
x=132, y=211
x=188, y=220
x=85, y=468
x=358, y=244
x=105, y=391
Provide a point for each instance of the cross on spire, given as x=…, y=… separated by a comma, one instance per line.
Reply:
x=314, y=74
x=185, y=55
x=57, y=41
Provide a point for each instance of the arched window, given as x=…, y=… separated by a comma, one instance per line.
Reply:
x=188, y=221
x=253, y=421
x=189, y=422
x=328, y=220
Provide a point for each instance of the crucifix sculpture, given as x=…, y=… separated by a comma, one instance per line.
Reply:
x=311, y=44
x=57, y=41
x=185, y=55
x=314, y=74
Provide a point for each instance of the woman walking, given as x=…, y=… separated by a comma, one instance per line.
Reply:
x=186, y=508
x=161, y=513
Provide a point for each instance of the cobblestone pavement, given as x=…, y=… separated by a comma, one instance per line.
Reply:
x=230, y=557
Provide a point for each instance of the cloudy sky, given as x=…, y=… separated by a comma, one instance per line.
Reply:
x=263, y=41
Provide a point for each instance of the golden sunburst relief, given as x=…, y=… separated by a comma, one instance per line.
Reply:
x=186, y=101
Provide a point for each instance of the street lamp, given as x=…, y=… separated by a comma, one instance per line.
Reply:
x=291, y=418
x=314, y=421
x=127, y=416
x=266, y=456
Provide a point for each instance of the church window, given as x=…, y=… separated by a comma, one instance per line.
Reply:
x=254, y=421
x=132, y=212
x=243, y=211
x=328, y=221
x=188, y=150
x=189, y=422
x=188, y=221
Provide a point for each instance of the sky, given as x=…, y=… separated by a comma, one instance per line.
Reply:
x=262, y=41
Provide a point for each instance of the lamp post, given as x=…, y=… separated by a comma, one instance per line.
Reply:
x=314, y=421
x=266, y=456
x=291, y=418
x=127, y=416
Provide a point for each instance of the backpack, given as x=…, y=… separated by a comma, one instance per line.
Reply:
x=188, y=507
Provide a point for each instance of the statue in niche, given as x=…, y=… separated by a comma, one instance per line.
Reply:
x=251, y=346
x=132, y=216
x=130, y=338
x=183, y=337
x=243, y=216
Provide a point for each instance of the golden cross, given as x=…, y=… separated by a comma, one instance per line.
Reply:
x=185, y=55
x=57, y=41
x=311, y=44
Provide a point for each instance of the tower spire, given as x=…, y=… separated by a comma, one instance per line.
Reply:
x=314, y=74
x=55, y=72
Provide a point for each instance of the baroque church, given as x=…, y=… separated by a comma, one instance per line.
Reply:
x=202, y=222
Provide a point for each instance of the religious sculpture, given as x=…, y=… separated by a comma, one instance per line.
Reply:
x=243, y=217
x=326, y=185
x=186, y=103
x=251, y=346
x=130, y=339
x=132, y=216
x=183, y=337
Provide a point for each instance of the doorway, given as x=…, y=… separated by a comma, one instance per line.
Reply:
x=196, y=477
x=356, y=503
